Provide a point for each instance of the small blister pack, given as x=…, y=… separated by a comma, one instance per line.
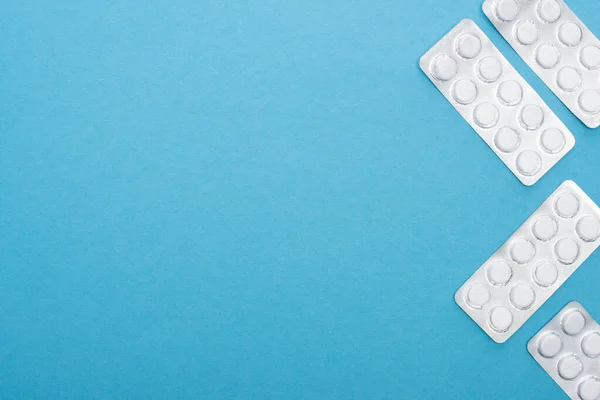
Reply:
x=568, y=348
x=533, y=263
x=559, y=48
x=497, y=102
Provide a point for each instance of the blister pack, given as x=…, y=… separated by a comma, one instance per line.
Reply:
x=497, y=102
x=568, y=348
x=559, y=48
x=533, y=263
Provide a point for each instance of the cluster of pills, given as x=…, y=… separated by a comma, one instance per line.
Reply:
x=497, y=102
x=568, y=348
x=554, y=42
x=533, y=263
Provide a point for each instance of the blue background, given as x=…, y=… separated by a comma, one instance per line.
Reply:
x=255, y=200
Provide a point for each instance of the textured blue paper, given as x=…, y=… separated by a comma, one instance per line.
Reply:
x=255, y=200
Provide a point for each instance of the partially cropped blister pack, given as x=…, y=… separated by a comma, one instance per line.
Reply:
x=568, y=348
x=533, y=263
x=561, y=50
x=497, y=102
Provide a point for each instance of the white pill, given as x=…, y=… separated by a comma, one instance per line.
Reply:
x=569, y=367
x=529, y=163
x=510, y=93
x=527, y=33
x=588, y=228
x=547, y=55
x=522, y=296
x=444, y=68
x=566, y=250
x=589, y=388
x=489, y=69
x=486, y=115
x=500, y=319
x=549, y=10
x=545, y=228
x=478, y=296
x=572, y=323
x=589, y=101
x=507, y=140
x=590, y=57
x=545, y=274
x=553, y=141
x=568, y=79
x=591, y=344
x=550, y=345
x=507, y=10
x=532, y=117
x=570, y=34
x=522, y=251
x=464, y=91
x=499, y=273
x=468, y=45
x=567, y=205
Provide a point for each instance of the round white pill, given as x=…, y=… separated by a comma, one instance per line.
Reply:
x=588, y=228
x=552, y=141
x=489, y=69
x=591, y=344
x=527, y=33
x=567, y=205
x=500, y=319
x=590, y=57
x=468, y=45
x=499, y=273
x=529, y=163
x=522, y=251
x=478, y=296
x=549, y=10
x=510, y=93
x=569, y=367
x=589, y=388
x=532, y=117
x=572, y=323
x=549, y=345
x=507, y=140
x=547, y=55
x=589, y=101
x=507, y=10
x=545, y=228
x=464, y=91
x=522, y=296
x=568, y=79
x=545, y=274
x=486, y=115
x=570, y=34
x=444, y=68
x=566, y=250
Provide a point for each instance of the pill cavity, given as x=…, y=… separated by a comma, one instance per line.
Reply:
x=486, y=115
x=478, y=296
x=545, y=228
x=532, y=117
x=510, y=93
x=522, y=296
x=507, y=10
x=464, y=91
x=566, y=251
x=489, y=69
x=591, y=344
x=567, y=205
x=545, y=274
x=522, y=251
x=590, y=57
x=588, y=228
x=569, y=367
x=507, y=140
x=570, y=34
x=589, y=101
x=500, y=319
x=549, y=10
x=444, y=68
x=553, y=141
x=499, y=273
x=550, y=345
x=568, y=79
x=589, y=388
x=527, y=33
x=573, y=322
x=547, y=56
x=468, y=45
x=529, y=163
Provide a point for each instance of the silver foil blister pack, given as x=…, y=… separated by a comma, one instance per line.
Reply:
x=533, y=263
x=559, y=48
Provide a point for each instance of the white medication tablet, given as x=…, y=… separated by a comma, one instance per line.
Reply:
x=497, y=102
x=559, y=48
x=567, y=349
x=531, y=265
